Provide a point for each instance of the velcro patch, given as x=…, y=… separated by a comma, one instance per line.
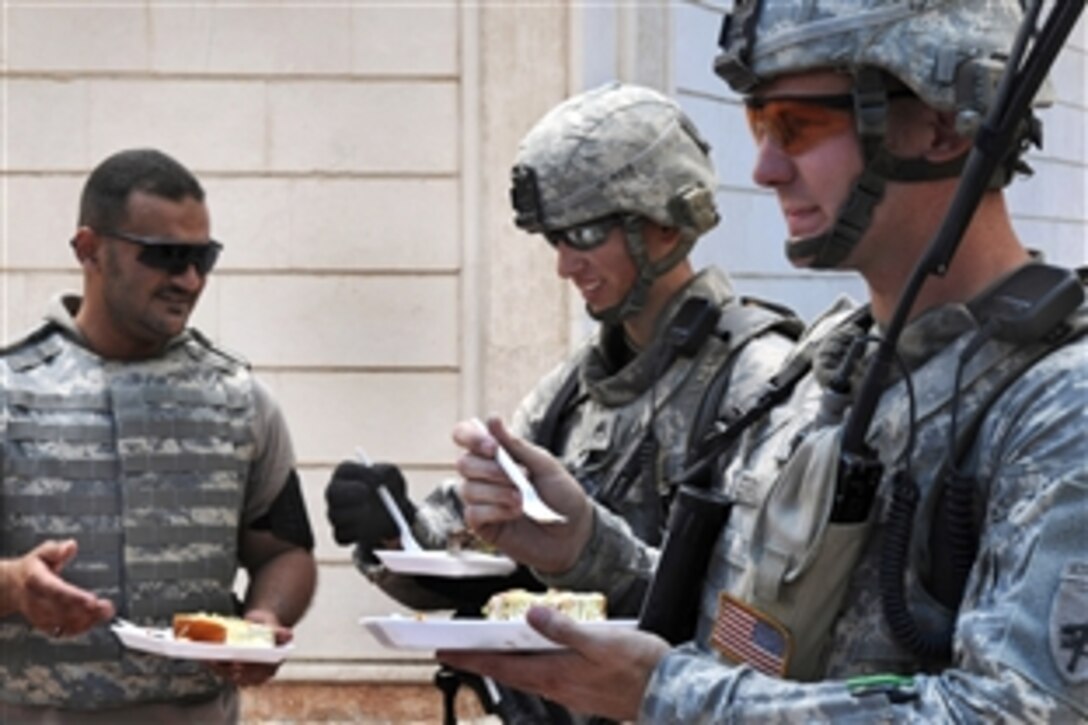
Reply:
x=1069, y=623
x=746, y=635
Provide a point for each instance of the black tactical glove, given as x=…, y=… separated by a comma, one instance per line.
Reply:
x=355, y=509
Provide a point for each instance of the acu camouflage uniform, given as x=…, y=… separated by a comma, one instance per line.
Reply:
x=1017, y=657
x=152, y=467
x=653, y=397
x=1020, y=636
x=624, y=152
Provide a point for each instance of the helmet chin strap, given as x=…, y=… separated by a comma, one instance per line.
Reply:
x=647, y=271
x=830, y=249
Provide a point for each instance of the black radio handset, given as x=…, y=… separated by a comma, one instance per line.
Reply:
x=1030, y=304
x=693, y=323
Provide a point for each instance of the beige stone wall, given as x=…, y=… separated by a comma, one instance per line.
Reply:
x=356, y=158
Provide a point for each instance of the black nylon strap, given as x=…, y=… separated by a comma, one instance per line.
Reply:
x=569, y=396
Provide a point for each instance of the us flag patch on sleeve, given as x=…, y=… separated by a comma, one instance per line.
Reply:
x=746, y=635
x=1069, y=623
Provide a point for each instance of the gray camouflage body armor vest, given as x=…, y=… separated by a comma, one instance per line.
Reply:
x=800, y=572
x=628, y=434
x=609, y=415
x=144, y=464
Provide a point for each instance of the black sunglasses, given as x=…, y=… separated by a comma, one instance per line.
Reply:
x=585, y=237
x=171, y=256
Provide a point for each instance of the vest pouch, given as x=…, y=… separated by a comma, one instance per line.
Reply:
x=801, y=563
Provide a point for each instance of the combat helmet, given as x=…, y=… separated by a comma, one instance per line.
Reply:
x=949, y=53
x=618, y=149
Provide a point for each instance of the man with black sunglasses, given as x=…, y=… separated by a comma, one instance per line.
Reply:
x=142, y=466
x=907, y=549
x=621, y=185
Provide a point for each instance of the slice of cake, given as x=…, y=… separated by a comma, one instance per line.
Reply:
x=216, y=628
x=514, y=603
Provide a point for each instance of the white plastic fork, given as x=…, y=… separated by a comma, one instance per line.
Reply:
x=531, y=503
x=407, y=541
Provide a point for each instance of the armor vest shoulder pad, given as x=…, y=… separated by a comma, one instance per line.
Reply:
x=231, y=360
x=752, y=317
x=39, y=346
x=739, y=324
x=569, y=396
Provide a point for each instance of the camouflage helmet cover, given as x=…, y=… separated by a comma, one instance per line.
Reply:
x=618, y=148
x=948, y=52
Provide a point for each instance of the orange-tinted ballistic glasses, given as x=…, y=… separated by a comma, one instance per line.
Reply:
x=796, y=124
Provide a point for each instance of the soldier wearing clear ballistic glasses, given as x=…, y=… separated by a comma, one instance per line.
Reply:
x=619, y=182
x=141, y=466
x=819, y=605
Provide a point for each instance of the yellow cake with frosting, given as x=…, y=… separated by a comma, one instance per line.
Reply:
x=216, y=628
x=514, y=603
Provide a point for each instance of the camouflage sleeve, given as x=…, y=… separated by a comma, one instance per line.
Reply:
x=1021, y=642
x=613, y=562
x=439, y=514
x=437, y=517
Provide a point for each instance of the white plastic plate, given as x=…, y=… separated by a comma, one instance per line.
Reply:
x=161, y=642
x=400, y=632
x=445, y=563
